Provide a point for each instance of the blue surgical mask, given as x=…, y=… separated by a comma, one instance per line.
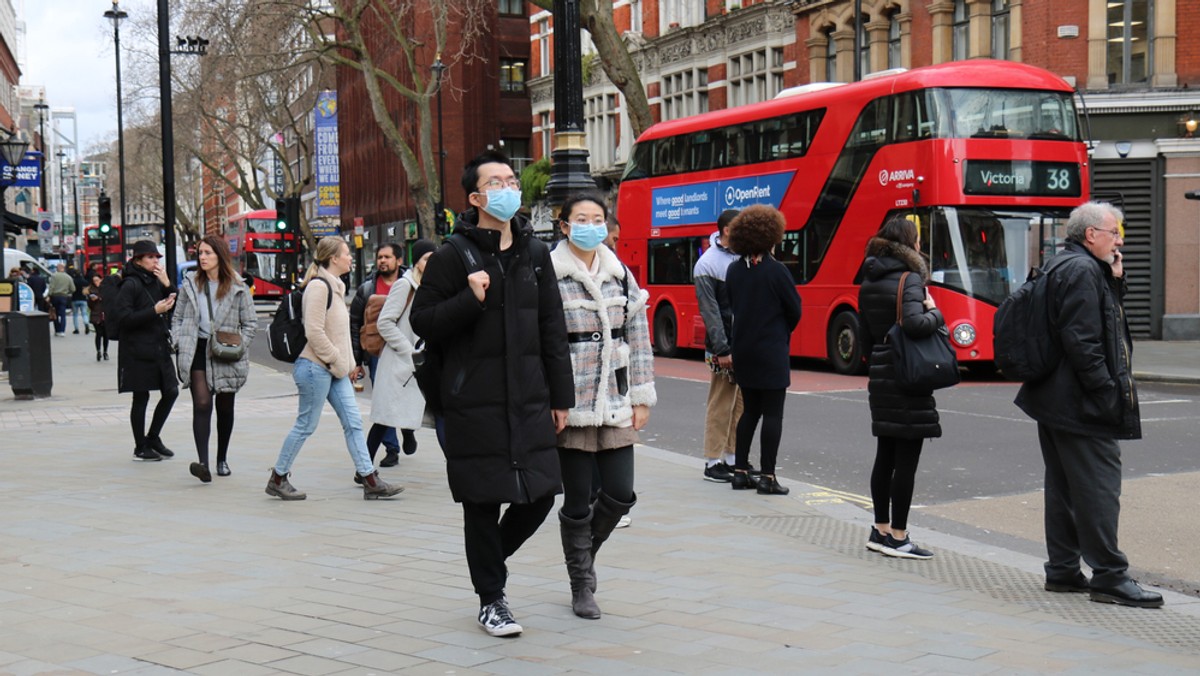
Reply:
x=503, y=203
x=588, y=236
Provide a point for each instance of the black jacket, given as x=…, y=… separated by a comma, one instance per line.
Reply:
x=144, y=360
x=1092, y=391
x=895, y=412
x=766, y=308
x=506, y=365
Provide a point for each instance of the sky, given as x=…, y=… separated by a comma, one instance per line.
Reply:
x=69, y=50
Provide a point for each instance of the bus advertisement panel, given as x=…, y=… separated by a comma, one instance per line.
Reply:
x=985, y=156
x=266, y=257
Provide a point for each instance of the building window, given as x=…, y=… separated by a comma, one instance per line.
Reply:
x=894, y=40
x=681, y=13
x=635, y=16
x=1000, y=15
x=547, y=134
x=755, y=76
x=830, y=57
x=512, y=75
x=544, y=57
x=1129, y=48
x=685, y=93
x=962, y=30
x=602, y=123
x=864, y=45
x=512, y=7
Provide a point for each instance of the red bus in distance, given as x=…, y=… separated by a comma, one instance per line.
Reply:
x=93, y=248
x=266, y=257
x=985, y=156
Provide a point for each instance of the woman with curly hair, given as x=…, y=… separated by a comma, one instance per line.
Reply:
x=766, y=308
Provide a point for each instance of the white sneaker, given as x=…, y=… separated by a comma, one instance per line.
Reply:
x=624, y=522
x=497, y=620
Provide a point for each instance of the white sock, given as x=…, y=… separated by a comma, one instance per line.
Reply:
x=730, y=459
x=710, y=462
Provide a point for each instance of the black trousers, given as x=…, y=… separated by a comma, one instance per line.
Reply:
x=1083, y=506
x=767, y=405
x=490, y=539
x=892, y=479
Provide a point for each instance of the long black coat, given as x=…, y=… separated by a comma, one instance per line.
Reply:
x=895, y=412
x=506, y=365
x=1091, y=391
x=766, y=308
x=144, y=360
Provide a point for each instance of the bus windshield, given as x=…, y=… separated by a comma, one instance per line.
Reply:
x=987, y=253
x=1006, y=113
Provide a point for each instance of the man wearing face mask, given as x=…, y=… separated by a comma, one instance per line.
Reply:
x=506, y=382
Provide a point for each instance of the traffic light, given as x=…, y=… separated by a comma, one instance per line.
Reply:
x=287, y=214
x=105, y=206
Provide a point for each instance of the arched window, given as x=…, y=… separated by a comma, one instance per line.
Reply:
x=893, y=52
x=830, y=57
x=1130, y=49
x=962, y=31
x=1000, y=23
x=864, y=45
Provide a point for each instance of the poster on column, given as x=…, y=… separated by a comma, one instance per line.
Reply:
x=329, y=195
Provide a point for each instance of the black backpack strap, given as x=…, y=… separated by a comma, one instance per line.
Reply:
x=467, y=251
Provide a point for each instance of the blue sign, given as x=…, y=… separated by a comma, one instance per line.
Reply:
x=28, y=174
x=329, y=195
x=24, y=297
x=699, y=203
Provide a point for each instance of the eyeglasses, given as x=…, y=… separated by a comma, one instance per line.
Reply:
x=1117, y=233
x=496, y=184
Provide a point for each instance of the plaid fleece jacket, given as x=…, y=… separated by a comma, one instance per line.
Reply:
x=598, y=304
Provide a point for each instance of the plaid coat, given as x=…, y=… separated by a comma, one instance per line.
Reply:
x=597, y=305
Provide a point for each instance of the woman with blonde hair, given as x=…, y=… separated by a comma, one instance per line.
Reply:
x=322, y=374
x=213, y=301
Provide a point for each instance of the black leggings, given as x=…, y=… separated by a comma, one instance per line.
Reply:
x=101, y=335
x=768, y=405
x=202, y=408
x=137, y=415
x=893, y=477
x=615, y=467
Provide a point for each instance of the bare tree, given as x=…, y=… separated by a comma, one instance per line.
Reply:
x=597, y=17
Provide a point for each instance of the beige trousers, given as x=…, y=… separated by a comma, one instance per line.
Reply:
x=721, y=416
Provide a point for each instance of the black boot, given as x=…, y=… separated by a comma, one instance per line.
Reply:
x=606, y=512
x=157, y=444
x=577, y=550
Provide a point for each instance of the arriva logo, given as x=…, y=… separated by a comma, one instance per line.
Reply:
x=886, y=176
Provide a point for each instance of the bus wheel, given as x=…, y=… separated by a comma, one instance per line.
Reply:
x=666, y=332
x=845, y=350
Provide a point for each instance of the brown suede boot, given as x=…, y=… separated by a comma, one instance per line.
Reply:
x=280, y=487
x=374, y=487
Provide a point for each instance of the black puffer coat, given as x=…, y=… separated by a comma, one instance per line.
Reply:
x=895, y=412
x=506, y=365
x=144, y=360
x=1092, y=391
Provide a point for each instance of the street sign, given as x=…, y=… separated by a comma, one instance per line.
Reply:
x=46, y=225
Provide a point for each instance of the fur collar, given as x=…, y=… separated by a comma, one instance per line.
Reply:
x=566, y=265
x=911, y=259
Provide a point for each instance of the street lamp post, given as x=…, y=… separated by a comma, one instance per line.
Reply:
x=41, y=106
x=12, y=149
x=439, y=69
x=62, y=190
x=569, y=172
x=116, y=14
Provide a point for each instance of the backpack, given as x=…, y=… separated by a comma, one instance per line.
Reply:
x=285, y=335
x=368, y=335
x=428, y=360
x=1024, y=346
x=110, y=289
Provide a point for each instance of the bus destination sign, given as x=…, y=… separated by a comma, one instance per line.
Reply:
x=1021, y=177
x=700, y=203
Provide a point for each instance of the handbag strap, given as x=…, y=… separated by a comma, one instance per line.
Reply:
x=900, y=299
x=212, y=318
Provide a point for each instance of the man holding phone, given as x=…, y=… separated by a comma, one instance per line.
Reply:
x=144, y=362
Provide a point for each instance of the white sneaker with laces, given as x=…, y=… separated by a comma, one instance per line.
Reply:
x=497, y=620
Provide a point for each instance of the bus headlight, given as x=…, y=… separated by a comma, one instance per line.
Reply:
x=963, y=335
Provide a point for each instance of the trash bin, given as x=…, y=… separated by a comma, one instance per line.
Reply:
x=27, y=351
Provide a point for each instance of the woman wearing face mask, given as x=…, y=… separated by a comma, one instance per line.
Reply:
x=396, y=402
x=614, y=389
x=211, y=300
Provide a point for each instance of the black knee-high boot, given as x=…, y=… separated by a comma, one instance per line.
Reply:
x=606, y=512
x=577, y=550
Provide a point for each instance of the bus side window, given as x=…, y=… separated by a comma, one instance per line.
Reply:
x=672, y=260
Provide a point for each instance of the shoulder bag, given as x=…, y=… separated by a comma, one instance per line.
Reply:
x=223, y=346
x=921, y=364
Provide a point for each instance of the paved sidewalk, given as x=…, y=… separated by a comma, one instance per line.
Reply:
x=113, y=566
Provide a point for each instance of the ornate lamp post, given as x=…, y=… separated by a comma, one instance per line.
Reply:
x=12, y=149
x=570, y=171
x=42, y=107
x=116, y=15
x=439, y=69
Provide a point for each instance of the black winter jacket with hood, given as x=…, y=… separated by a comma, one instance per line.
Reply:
x=895, y=412
x=144, y=360
x=1091, y=391
x=506, y=365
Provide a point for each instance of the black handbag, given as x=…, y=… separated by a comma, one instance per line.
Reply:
x=921, y=364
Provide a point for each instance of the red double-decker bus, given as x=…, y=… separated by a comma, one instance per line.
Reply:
x=95, y=245
x=986, y=156
x=266, y=257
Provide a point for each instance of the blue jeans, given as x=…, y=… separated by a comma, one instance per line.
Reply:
x=60, y=304
x=80, y=312
x=390, y=442
x=316, y=386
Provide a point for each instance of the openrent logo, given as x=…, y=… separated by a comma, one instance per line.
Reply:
x=735, y=195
